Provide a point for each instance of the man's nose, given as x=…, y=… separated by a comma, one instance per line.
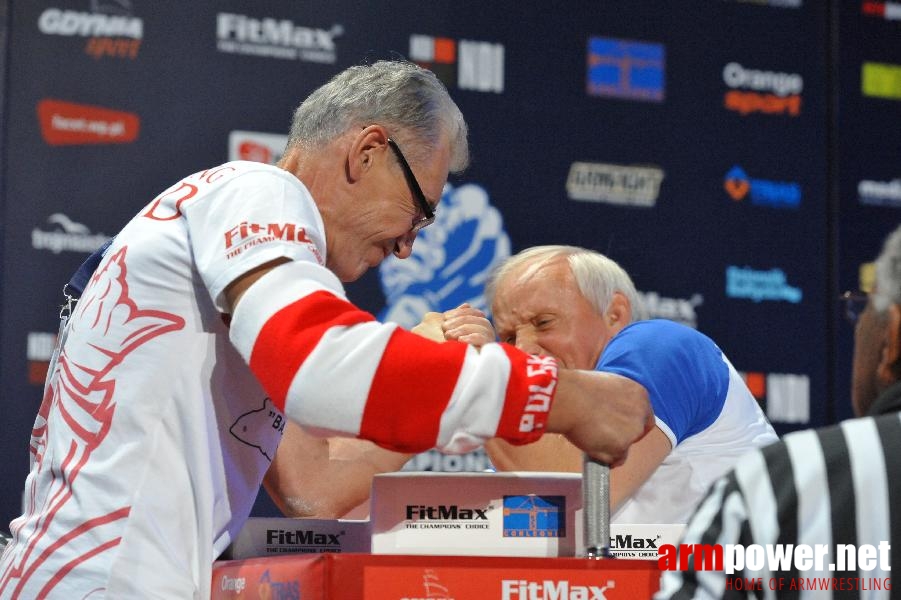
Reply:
x=403, y=246
x=527, y=342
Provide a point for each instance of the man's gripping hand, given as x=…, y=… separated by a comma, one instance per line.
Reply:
x=464, y=323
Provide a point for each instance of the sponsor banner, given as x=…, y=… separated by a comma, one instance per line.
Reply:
x=681, y=310
x=111, y=30
x=256, y=146
x=270, y=37
x=881, y=80
x=866, y=275
x=626, y=69
x=762, y=192
x=761, y=286
x=435, y=461
x=880, y=193
x=758, y=91
x=465, y=64
x=357, y=577
x=890, y=11
x=622, y=185
x=454, y=583
x=786, y=396
x=39, y=351
x=66, y=236
x=263, y=581
x=67, y=123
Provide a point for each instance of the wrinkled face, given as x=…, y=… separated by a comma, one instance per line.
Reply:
x=384, y=210
x=869, y=341
x=540, y=310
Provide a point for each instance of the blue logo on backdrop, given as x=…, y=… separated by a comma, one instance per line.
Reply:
x=626, y=69
x=451, y=259
x=759, y=286
x=776, y=194
x=534, y=516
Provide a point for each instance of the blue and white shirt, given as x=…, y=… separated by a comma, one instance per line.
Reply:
x=702, y=405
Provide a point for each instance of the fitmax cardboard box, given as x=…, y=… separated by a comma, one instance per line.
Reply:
x=265, y=536
x=480, y=514
x=495, y=514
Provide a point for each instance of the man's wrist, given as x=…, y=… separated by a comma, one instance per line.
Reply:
x=530, y=395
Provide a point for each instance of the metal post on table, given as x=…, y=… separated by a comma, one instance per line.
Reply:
x=596, y=508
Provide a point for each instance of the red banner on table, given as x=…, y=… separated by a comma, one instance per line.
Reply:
x=394, y=577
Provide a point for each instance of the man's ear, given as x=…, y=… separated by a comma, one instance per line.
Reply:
x=619, y=313
x=889, y=369
x=363, y=149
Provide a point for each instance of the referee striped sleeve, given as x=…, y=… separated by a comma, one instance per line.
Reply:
x=889, y=428
x=868, y=471
x=832, y=486
x=808, y=510
x=718, y=519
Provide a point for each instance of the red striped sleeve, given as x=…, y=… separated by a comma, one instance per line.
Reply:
x=409, y=394
x=289, y=336
x=530, y=393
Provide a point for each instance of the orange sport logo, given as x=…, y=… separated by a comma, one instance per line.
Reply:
x=764, y=92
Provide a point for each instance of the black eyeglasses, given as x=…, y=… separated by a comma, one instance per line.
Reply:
x=427, y=209
x=854, y=304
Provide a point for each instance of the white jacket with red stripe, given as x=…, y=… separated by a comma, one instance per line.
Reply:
x=161, y=419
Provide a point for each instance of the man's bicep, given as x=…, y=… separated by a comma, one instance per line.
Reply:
x=235, y=290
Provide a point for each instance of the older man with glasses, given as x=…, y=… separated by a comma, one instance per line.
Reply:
x=218, y=314
x=833, y=493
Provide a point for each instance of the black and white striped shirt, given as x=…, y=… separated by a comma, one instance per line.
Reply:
x=836, y=485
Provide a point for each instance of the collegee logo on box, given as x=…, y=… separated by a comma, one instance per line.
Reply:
x=534, y=516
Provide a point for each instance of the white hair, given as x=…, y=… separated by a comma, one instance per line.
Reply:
x=597, y=276
x=406, y=99
x=888, y=273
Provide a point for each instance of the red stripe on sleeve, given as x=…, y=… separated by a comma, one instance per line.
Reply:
x=292, y=333
x=530, y=393
x=411, y=388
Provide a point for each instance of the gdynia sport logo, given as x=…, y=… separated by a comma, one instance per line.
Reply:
x=799, y=560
